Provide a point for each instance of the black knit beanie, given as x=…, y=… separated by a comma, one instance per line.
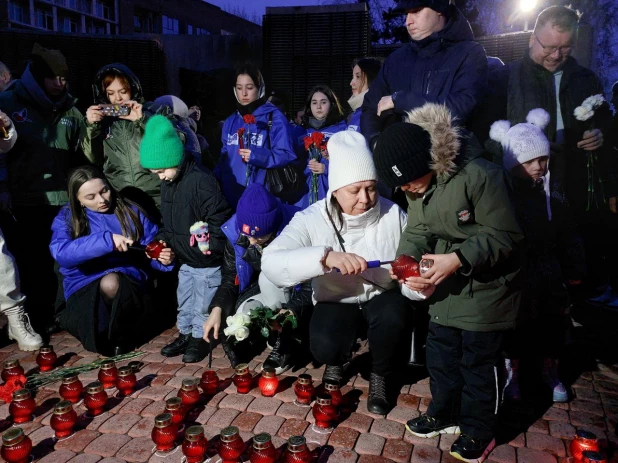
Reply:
x=402, y=154
x=48, y=63
x=441, y=6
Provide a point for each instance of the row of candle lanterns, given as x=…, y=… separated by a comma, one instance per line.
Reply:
x=46, y=360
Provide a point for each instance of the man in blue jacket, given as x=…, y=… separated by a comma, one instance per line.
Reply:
x=442, y=64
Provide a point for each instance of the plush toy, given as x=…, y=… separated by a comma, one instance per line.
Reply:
x=199, y=233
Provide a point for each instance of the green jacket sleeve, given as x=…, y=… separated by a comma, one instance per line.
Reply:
x=498, y=232
x=92, y=142
x=416, y=239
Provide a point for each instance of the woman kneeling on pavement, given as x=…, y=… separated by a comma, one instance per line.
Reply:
x=259, y=218
x=461, y=217
x=330, y=243
x=104, y=283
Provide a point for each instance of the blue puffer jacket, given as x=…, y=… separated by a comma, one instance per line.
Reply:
x=354, y=120
x=447, y=67
x=299, y=147
x=88, y=258
x=232, y=171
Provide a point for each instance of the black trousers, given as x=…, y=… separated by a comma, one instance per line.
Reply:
x=463, y=378
x=334, y=328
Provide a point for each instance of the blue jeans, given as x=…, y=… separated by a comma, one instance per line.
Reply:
x=196, y=288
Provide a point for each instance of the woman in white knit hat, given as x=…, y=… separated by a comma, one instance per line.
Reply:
x=331, y=243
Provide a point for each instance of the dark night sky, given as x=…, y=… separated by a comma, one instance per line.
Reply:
x=258, y=6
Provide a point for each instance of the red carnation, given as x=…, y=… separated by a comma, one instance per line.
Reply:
x=249, y=119
x=318, y=138
x=308, y=142
x=13, y=384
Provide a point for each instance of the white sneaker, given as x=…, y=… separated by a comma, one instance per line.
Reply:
x=550, y=378
x=20, y=330
x=511, y=387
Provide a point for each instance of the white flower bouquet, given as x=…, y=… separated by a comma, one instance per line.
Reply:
x=586, y=110
x=259, y=320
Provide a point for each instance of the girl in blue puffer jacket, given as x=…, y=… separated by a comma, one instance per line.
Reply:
x=323, y=114
x=104, y=283
x=255, y=138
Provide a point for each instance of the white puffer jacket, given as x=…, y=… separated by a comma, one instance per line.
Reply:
x=296, y=255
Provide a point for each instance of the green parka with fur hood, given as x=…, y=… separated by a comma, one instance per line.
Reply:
x=467, y=209
x=114, y=143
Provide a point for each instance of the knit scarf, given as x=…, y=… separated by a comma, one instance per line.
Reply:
x=356, y=101
x=317, y=124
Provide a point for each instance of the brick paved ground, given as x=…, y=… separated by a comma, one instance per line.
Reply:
x=535, y=432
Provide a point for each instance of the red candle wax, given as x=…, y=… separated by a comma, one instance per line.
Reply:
x=11, y=368
x=174, y=407
x=64, y=419
x=297, y=451
x=263, y=450
x=71, y=388
x=584, y=440
x=95, y=398
x=22, y=407
x=46, y=358
x=268, y=382
x=324, y=412
x=304, y=389
x=16, y=446
x=195, y=444
x=209, y=382
x=164, y=432
x=188, y=393
x=231, y=446
x=126, y=381
x=242, y=379
x=108, y=374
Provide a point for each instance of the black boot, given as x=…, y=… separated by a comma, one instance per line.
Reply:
x=333, y=373
x=378, y=402
x=197, y=350
x=177, y=347
x=279, y=359
x=231, y=354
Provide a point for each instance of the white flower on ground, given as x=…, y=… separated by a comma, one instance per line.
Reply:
x=242, y=333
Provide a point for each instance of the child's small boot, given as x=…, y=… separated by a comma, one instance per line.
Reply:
x=550, y=378
x=511, y=387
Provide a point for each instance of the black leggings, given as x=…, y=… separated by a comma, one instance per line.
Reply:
x=334, y=328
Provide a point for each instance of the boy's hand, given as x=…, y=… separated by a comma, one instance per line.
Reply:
x=213, y=323
x=444, y=265
x=166, y=256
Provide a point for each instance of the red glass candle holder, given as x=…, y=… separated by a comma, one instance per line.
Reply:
x=95, y=398
x=174, y=407
x=126, y=381
x=46, y=359
x=242, y=379
x=63, y=420
x=22, y=407
x=263, y=450
x=332, y=388
x=209, y=382
x=195, y=444
x=231, y=446
x=583, y=440
x=12, y=368
x=108, y=374
x=188, y=393
x=268, y=382
x=324, y=412
x=304, y=389
x=297, y=451
x=589, y=456
x=16, y=446
x=164, y=432
x=71, y=388
x=154, y=248
x=405, y=267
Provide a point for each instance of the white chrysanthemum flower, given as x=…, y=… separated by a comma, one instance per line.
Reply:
x=242, y=333
x=583, y=113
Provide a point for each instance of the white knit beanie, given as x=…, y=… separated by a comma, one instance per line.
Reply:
x=350, y=160
x=522, y=142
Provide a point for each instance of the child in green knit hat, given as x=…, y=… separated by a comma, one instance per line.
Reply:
x=189, y=194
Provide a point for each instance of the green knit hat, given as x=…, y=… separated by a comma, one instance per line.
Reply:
x=161, y=147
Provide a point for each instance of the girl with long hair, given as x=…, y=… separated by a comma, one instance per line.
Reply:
x=364, y=72
x=104, y=280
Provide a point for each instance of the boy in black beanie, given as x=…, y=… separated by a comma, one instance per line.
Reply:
x=460, y=217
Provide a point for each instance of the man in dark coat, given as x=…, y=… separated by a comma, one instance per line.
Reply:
x=442, y=64
x=549, y=77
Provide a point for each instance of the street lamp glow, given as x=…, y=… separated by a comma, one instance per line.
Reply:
x=527, y=5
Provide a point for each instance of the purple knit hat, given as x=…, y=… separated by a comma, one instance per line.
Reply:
x=258, y=212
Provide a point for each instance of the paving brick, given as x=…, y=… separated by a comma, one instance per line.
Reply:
x=420, y=390
x=587, y=394
x=586, y=406
x=545, y=443
x=291, y=410
x=93, y=423
x=154, y=409
x=605, y=386
x=402, y=414
x=588, y=419
x=188, y=371
x=137, y=450
x=78, y=442
x=292, y=427
x=156, y=393
x=424, y=454
x=408, y=401
x=246, y=421
x=203, y=416
x=397, y=450
x=369, y=444
x=362, y=408
x=423, y=442
x=215, y=399
x=143, y=428
x=446, y=441
x=316, y=436
x=561, y=430
x=41, y=434
x=519, y=441
x=171, y=457
x=134, y=407
x=85, y=458
x=107, y=445
x=503, y=454
x=340, y=455
x=387, y=429
x=119, y=424
x=424, y=405
x=223, y=417
x=269, y=424
x=167, y=369
x=344, y=438
x=372, y=459
x=555, y=414
x=238, y=402
x=59, y=456
x=161, y=380
x=539, y=426
x=265, y=406
x=287, y=395
x=525, y=455
x=358, y=421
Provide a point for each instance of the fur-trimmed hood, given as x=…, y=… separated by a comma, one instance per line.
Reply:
x=445, y=137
